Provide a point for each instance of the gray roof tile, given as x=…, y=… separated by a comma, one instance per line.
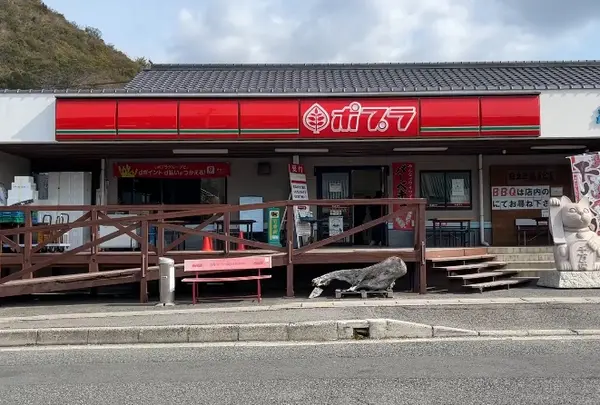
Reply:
x=339, y=79
x=367, y=78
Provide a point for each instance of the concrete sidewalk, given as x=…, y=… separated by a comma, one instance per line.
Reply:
x=301, y=320
x=526, y=313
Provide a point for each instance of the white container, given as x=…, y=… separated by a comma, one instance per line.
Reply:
x=70, y=188
x=24, y=180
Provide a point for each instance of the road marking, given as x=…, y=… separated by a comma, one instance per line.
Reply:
x=142, y=346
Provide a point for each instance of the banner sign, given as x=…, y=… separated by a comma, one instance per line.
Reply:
x=273, y=226
x=586, y=181
x=403, y=186
x=520, y=197
x=171, y=170
x=300, y=192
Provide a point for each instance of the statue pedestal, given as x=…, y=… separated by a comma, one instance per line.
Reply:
x=570, y=279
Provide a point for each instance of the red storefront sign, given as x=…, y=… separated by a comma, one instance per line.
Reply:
x=171, y=170
x=403, y=186
x=359, y=118
x=319, y=118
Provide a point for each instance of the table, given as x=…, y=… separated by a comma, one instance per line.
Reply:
x=463, y=229
x=539, y=227
x=248, y=223
x=312, y=221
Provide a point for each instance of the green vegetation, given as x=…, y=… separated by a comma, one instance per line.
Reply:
x=40, y=49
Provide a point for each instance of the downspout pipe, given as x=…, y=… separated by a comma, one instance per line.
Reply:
x=482, y=240
x=102, y=196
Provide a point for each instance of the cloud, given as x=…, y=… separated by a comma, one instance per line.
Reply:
x=306, y=31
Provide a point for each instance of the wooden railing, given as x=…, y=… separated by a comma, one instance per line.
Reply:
x=140, y=221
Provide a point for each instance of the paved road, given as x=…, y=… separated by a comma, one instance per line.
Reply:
x=480, y=372
x=481, y=317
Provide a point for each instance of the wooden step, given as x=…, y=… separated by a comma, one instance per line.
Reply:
x=470, y=266
x=486, y=274
x=507, y=282
x=461, y=258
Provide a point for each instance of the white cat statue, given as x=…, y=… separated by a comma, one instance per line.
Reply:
x=576, y=245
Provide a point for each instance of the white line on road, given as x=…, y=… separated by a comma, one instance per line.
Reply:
x=283, y=344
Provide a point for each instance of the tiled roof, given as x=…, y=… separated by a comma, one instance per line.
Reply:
x=339, y=79
x=368, y=78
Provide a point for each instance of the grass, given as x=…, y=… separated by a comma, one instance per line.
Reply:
x=41, y=49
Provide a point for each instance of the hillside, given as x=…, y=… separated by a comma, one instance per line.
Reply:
x=40, y=49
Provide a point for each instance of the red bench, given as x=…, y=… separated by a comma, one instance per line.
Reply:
x=217, y=267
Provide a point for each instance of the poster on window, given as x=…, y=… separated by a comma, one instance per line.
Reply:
x=586, y=181
x=403, y=186
x=520, y=197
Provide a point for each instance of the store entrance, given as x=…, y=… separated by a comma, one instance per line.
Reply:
x=338, y=183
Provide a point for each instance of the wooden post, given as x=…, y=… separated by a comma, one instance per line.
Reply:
x=290, y=225
x=227, y=231
x=420, y=249
x=144, y=266
x=95, y=229
x=28, y=241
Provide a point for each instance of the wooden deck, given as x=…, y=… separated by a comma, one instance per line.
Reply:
x=25, y=266
x=317, y=256
x=132, y=275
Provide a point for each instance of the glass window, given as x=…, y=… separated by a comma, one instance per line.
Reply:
x=172, y=191
x=446, y=190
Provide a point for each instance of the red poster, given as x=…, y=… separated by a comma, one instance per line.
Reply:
x=403, y=186
x=171, y=170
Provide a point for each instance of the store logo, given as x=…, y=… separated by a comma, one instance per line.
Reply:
x=127, y=171
x=351, y=117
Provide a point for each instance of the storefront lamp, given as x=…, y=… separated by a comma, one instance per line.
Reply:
x=200, y=151
x=423, y=149
x=558, y=147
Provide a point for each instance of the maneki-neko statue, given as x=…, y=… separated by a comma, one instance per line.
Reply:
x=576, y=246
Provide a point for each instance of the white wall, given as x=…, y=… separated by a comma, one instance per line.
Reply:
x=27, y=118
x=11, y=166
x=570, y=113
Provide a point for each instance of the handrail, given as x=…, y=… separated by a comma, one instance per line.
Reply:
x=137, y=226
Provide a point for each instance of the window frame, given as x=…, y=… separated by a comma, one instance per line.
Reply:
x=447, y=207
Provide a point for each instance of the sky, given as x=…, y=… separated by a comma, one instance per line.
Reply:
x=308, y=31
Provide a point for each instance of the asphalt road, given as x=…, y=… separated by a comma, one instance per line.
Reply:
x=475, y=372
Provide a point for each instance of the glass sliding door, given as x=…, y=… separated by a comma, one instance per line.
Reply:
x=334, y=220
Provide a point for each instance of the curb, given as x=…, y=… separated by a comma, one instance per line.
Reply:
x=321, y=331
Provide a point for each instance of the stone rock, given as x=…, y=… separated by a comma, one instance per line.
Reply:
x=570, y=279
x=378, y=277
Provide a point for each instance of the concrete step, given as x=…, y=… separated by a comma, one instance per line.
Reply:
x=469, y=266
x=537, y=264
x=519, y=249
x=482, y=275
x=507, y=282
x=525, y=257
x=531, y=272
x=461, y=258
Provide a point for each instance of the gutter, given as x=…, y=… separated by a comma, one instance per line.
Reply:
x=316, y=94
x=482, y=240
